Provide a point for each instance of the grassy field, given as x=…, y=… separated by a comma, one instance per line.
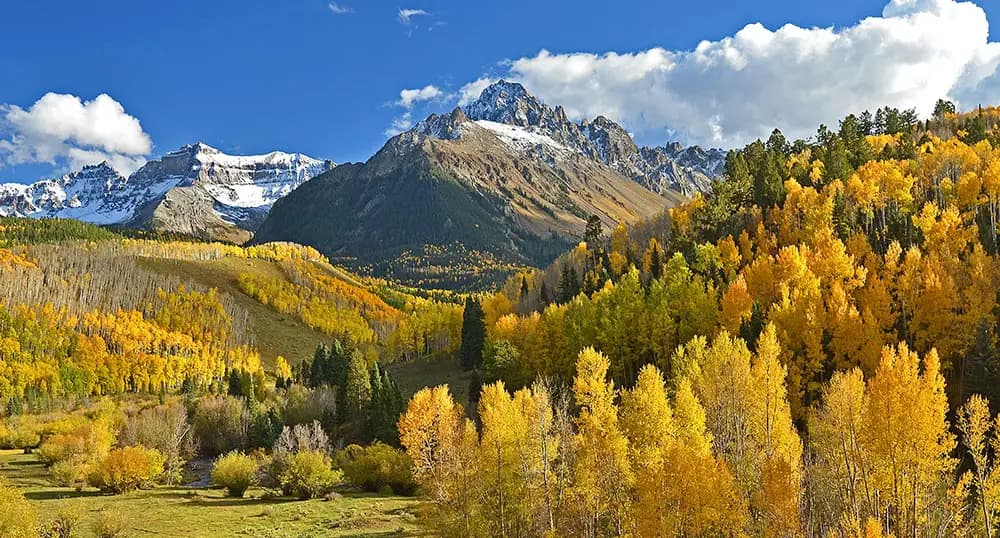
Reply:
x=416, y=374
x=205, y=513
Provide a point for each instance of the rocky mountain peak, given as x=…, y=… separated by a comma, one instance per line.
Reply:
x=508, y=102
x=443, y=126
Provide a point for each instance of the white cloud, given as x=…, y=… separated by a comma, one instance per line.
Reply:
x=471, y=91
x=338, y=9
x=63, y=129
x=400, y=124
x=408, y=98
x=406, y=15
x=728, y=92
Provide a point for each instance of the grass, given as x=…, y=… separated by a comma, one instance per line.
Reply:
x=416, y=374
x=206, y=513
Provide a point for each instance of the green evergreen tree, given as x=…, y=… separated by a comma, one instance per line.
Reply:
x=317, y=375
x=655, y=263
x=235, y=383
x=470, y=353
x=593, y=232
x=545, y=295
x=358, y=390
x=337, y=359
x=386, y=407
x=943, y=107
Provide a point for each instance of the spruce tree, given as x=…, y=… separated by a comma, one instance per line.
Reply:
x=317, y=376
x=473, y=334
x=235, y=383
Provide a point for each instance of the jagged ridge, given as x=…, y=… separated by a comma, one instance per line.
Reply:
x=236, y=190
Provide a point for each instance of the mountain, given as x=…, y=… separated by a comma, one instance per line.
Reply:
x=463, y=198
x=673, y=167
x=196, y=190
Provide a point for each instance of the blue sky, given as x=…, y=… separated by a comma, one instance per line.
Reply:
x=250, y=77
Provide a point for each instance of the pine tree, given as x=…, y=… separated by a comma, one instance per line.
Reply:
x=235, y=383
x=473, y=335
x=386, y=406
x=594, y=232
x=317, y=375
x=569, y=284
x=545, y=295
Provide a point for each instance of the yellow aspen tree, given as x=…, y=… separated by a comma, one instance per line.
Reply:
x=689, y=419
x=602, y=475
x=736, y=305
x=684, y=490
x=908, y=436
x=504, y=430
x=646, y=417
x=688, y=493
x=776, y=499
x=443, y=446
x=975, y=426
x=837, y=440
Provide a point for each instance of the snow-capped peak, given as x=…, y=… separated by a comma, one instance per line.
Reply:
x=99, y=194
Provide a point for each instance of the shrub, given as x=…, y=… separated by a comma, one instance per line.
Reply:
x=17, y=517
x=304, y=405
x=220, y=424
x=21, y=437
x=109, y=524
x=126, y=469
x=69, y=473
x=302, y=438
x=236, y=472
x=377, y=467
x=307, y=475
x=86, y=443
x=166, y=429
x=66, y=522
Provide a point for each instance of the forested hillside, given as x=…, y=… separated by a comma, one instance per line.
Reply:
x=809, y=349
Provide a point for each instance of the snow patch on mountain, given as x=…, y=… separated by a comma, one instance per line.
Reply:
x=242, y=186
x=525, y=123
x=520, y=138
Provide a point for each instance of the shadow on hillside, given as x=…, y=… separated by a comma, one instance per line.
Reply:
x=56, y=494
x=242, y=502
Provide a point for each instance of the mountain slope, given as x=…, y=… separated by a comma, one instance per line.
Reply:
x=197, y=190
x=457, y=202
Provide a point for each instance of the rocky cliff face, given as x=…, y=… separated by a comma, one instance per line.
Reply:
x=227, y=198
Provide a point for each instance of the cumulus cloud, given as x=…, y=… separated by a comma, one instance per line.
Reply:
x=400, y=124
x=406, y=15
x=63, y=129
x=408, y=98
x=471, y=91
x=731, y=91
x=338, y=9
